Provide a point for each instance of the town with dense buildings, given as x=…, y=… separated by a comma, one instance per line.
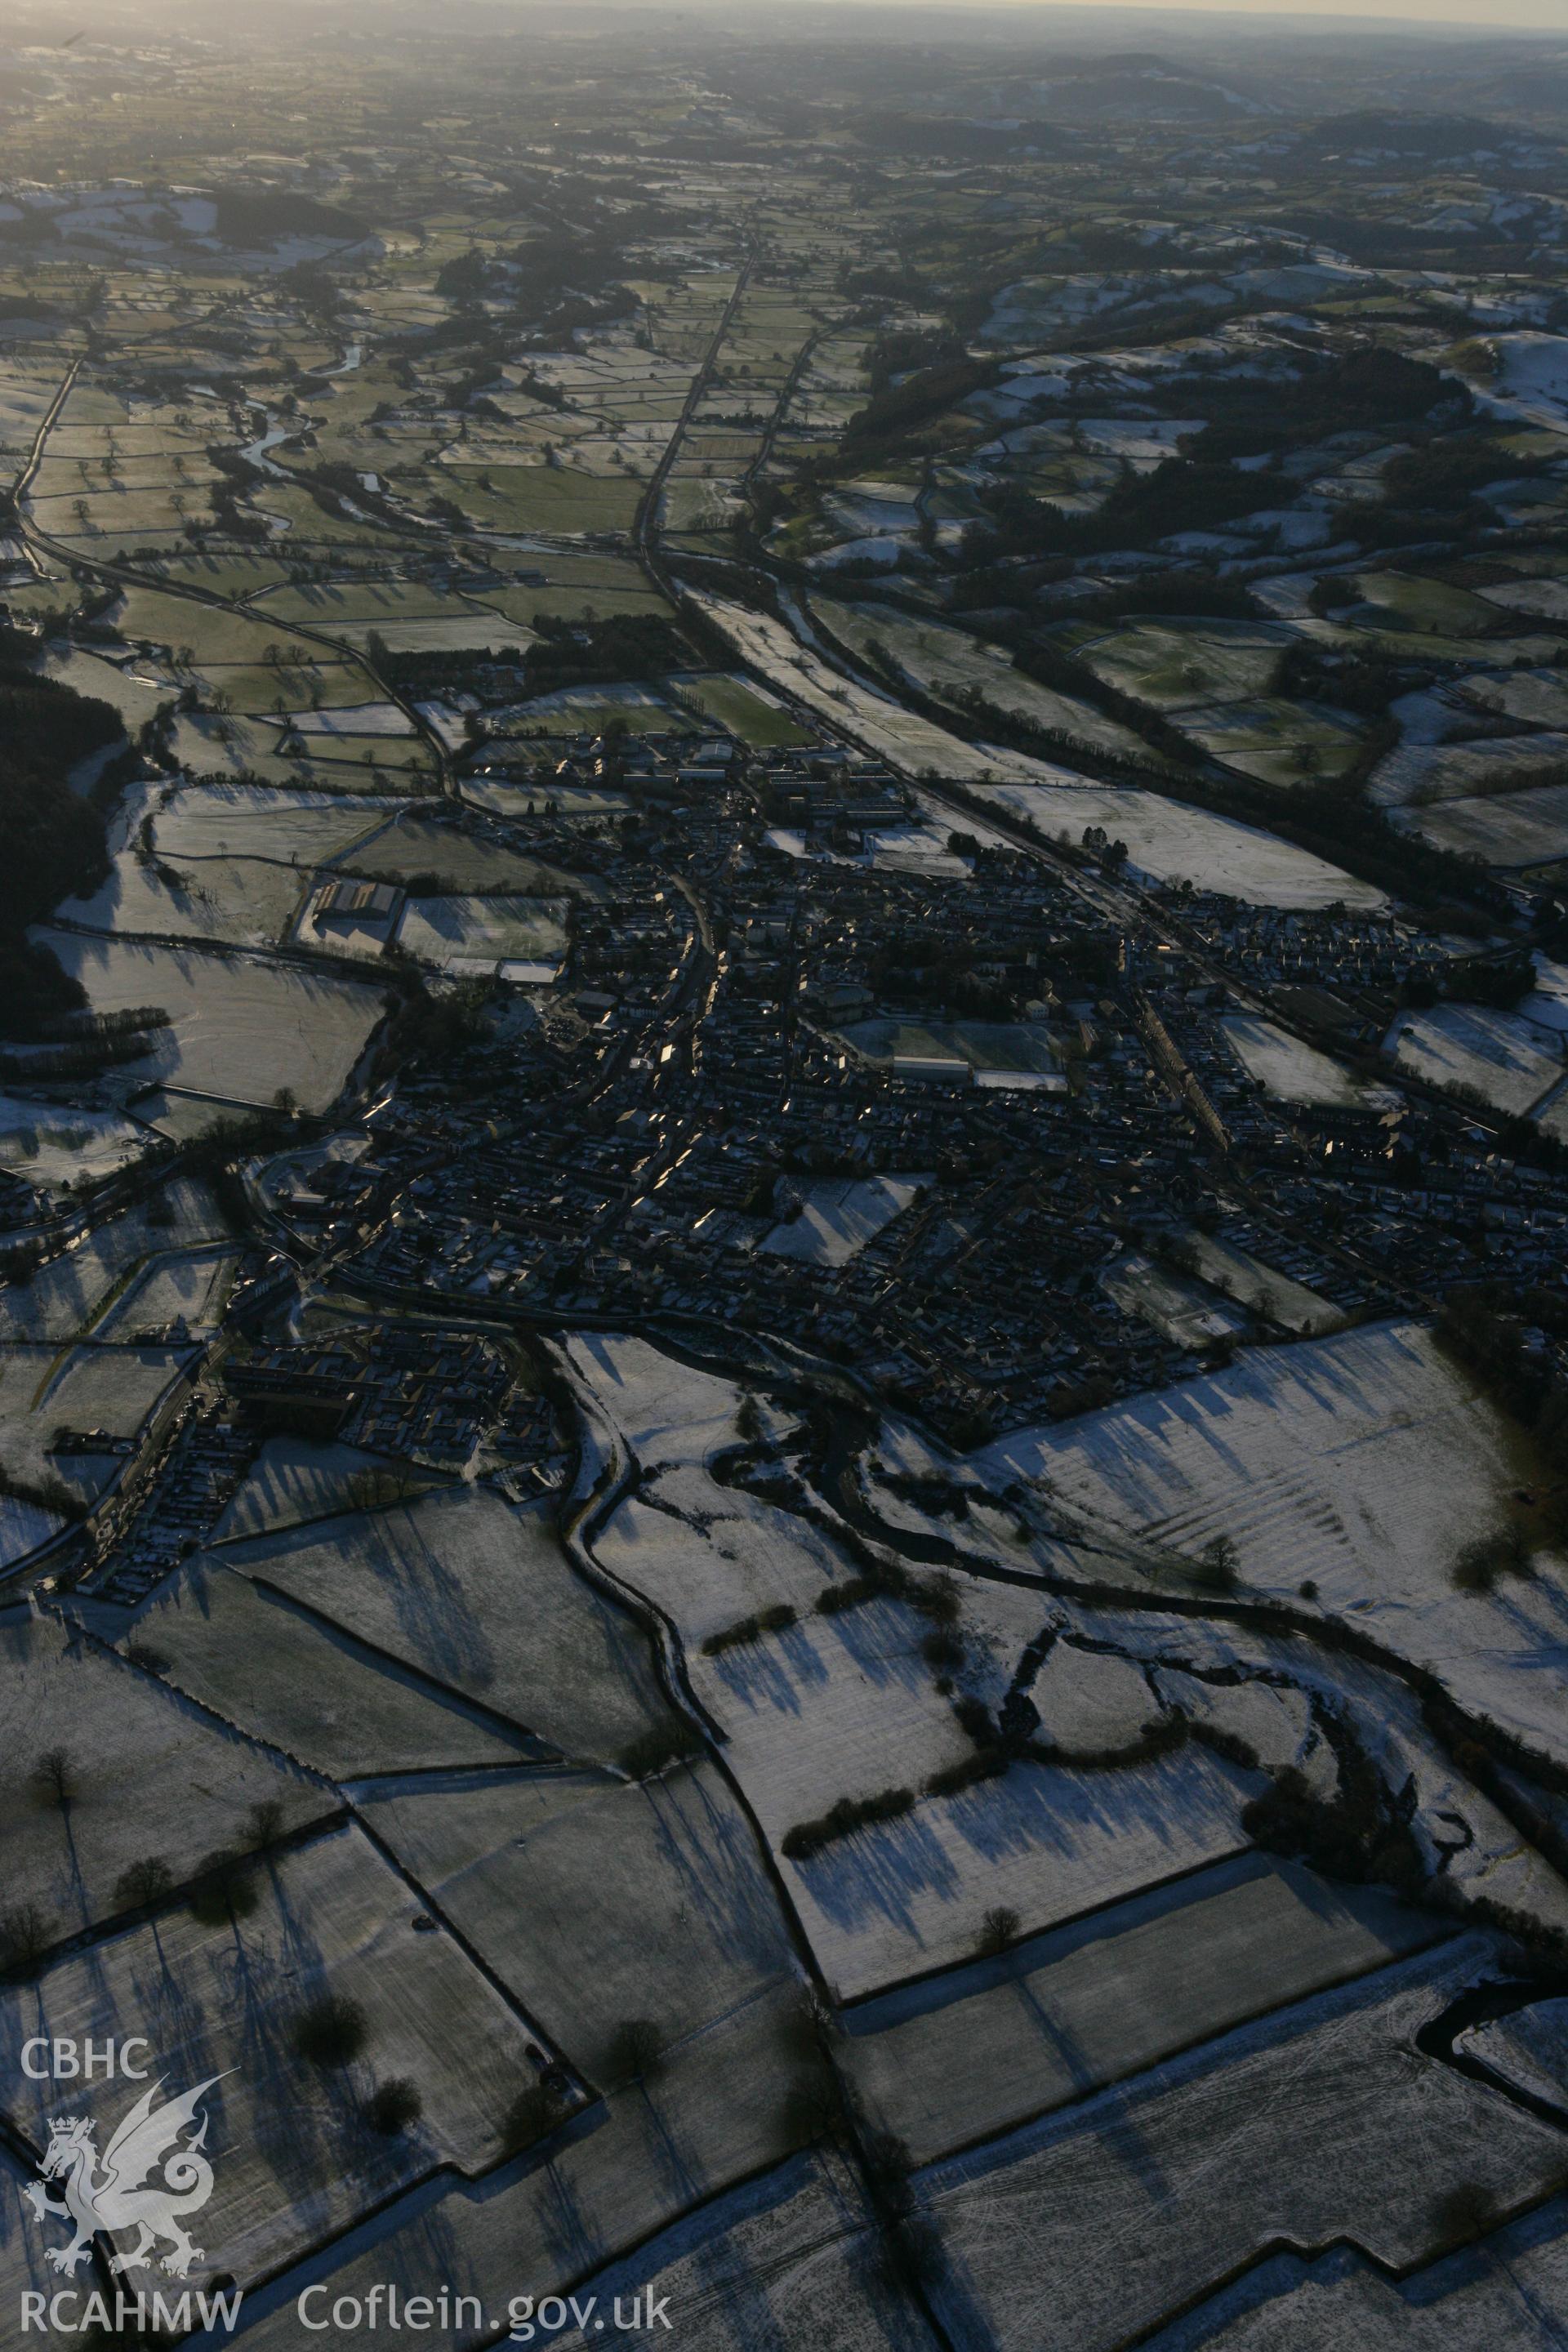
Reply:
x=783, y=1164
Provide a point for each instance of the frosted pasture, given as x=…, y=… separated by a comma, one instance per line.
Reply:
x=240, y=1027
x=838, y=1216
x=479, y=934
x=1091, y=2005
x=155, y=1777
x=1419, y=773
x=1528, y=2050
x=1504, y=829
x=1085, y=2231
x=1168, y=841
x=649, y=2155
x=478, y=1595
x=1507, y=2297
x=789, y=2258
x=1293, y=1071
x=184, y=1286
x=1361, y=1462
x=292, y=1480
x=287, y=1677
x=55, y=1143
x=115, y=1389
x=298, y=2162
x=246, y=821
x=241, y=901
x=66, y=1293
x=878, y=724
x=1509, y=1061
x=596, y=1899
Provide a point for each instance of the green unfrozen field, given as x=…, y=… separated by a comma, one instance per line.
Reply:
x=736, y=704
x=1172, y=664
x=947, y=662
x=578, y=710
x=124, y=517
x=549, y=499
x=567, y=596
x=105, y=479
x=1430, y=606
x=457, y=861
x=310, y=526
x=213, y=633
x=223, y=575
x=1278, y=742
x=252, y=687
x=331, y=603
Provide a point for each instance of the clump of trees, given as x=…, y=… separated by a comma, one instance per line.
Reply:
x=1478, y=1564
x=777, y=1620
x=655, y=1749
x=393, y=2106
x=842, y=1818
x=331, y=2032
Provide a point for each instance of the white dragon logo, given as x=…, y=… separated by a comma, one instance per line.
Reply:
x=122, y=2195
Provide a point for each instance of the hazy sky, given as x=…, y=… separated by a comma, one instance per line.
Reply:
x=1479, y=15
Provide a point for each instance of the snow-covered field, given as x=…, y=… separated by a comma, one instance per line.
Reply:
x=1050, y=1844
x=1362, y=1463
x=1422, y=774
x=1294, y=1071
x=1085, y=2231
x=480, y=1597
x=240, y=1028
x=294, y=2159
x=109, y=1389
x=545, y=1872
x=152, y=1775
x=1523, y=828
x=840, y=1216
x=909, y=744
x=290, y=1679
x=1509, y=1061
x=65, y=1294
x=944, y=661
x=186, y=1287
x=710, y=2119
x=1094, y=2004
x=1531, y=379
x=1509, y=2298
x=55, y=1143
x=789, y=2259
x=1168, y=841
x=474, y=935
x=291, y=1480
